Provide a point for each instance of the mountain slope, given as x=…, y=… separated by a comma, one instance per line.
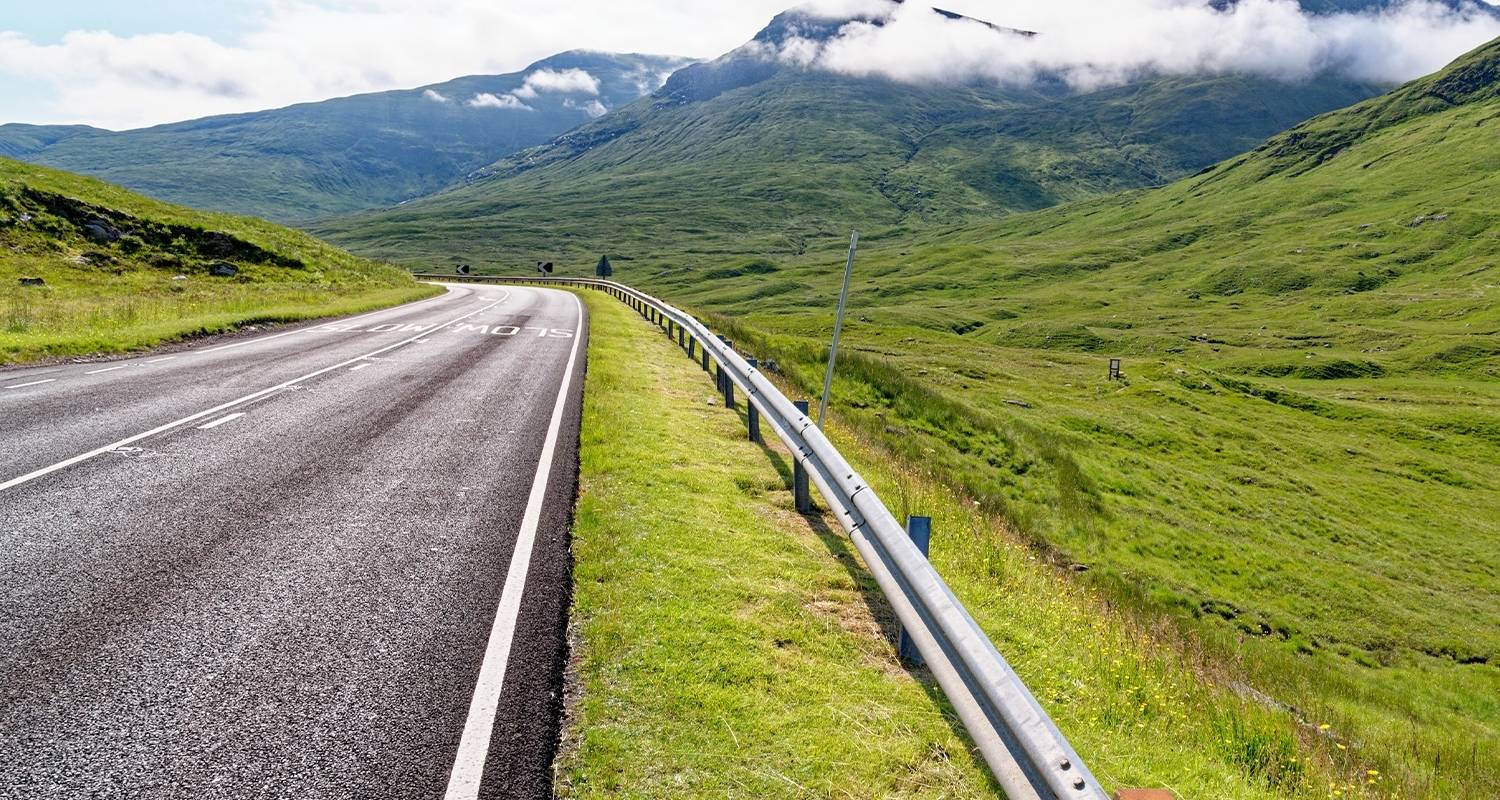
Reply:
x=341, y=155
x=118, y=271
x=769, y=156
x=1301, y=463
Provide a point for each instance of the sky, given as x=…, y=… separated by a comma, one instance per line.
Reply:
x=122, y=65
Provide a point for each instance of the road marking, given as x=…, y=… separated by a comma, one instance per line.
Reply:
x=33, y=383
x=98, y=451
x=159, y=360
x=315, y=327
x=221, y=421
x=474, y=747
x=358, y=367
x=108, y=369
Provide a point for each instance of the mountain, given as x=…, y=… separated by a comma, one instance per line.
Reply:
x=751, y=153
x=365, y=151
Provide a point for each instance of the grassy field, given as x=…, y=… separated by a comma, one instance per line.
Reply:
x=122, y=272
x=726, y=646
x=1299, y=470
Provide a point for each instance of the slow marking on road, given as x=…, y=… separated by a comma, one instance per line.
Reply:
x=107, y=369
x=430, y=300
x=98, y=451
x=474, y=747
x=221, y=421
x=33, y=383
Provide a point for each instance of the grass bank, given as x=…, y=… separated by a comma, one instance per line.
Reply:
x=726, y=646
x=108, y=271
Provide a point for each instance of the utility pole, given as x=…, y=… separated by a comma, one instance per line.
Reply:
x=838, y=329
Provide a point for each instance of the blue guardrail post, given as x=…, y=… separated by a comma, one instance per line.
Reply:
x=920, y=531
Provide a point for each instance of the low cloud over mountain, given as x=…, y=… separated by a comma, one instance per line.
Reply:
x=1091, y=47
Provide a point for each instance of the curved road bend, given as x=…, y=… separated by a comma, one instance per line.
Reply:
x=317, y=564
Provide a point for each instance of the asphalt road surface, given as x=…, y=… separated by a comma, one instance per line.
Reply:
x=326, y=563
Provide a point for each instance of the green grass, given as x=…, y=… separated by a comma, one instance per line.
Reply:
x=725, y=646
x=1299, y=473
x=152, y=284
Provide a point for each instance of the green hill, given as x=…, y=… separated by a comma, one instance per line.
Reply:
x=771, y=158
x=336, y=156
x=120, y=272
x=1302, y=465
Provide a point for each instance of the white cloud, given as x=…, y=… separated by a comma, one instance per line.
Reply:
x=301, y=50
x=436, y=96
x=593, y=108
x=1091, y=48
x=568, y=81
x=504, y=101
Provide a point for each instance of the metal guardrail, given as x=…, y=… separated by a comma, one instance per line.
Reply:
x=1025, y=751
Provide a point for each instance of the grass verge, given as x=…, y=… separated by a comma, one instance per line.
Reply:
x=725, y=646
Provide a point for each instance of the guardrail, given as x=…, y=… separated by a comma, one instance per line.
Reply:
x=1025, y=751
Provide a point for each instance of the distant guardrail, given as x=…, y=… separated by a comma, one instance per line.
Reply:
x=1025, y=751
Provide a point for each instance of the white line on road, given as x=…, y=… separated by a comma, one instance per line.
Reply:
x=33, y=383
x=107, y=369
x=408, y=306
x=159, y=360
x=474, y=747
x=44, y=471
x=221, y=421
x=358, y=367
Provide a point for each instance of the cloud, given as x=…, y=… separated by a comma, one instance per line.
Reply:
x=593, y=108
x=1092, y=48
x=568, y=81
x=436, y=96
x=292, y=51
x=504, y=101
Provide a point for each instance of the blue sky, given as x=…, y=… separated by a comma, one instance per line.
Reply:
x=131, y=63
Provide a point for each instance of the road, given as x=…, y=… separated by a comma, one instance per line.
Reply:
x=325, y=563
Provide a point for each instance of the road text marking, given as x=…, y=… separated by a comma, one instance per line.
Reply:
x=474, y=747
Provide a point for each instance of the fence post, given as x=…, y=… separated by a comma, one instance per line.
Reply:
x=752, y=414
x=920, y=531
x=801, y=498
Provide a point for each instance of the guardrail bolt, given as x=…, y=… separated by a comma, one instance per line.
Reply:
x=752, y=414
x=801, y=497
x=920, y=531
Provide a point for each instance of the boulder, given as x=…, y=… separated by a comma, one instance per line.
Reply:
x=223, y=269
x=33, y=282
x=100, y=230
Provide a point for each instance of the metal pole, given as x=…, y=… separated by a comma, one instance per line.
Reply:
x=752, y=414
x=838, y=328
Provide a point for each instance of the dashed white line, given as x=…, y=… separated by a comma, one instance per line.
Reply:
x=474, y=747
x=358, y=367
x=33, y=383
x=107, y=369
x=221, y=421
x=98, y=451
x=159, y=360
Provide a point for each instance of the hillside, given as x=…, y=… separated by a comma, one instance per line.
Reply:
x=774, y=158
x=346, y=154
x=121, y=272
x=1300, y=465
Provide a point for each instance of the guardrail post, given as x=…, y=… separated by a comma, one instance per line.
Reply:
x=728, y=390
x=671, y=328
x=801, y=497
x=681, y=337
x=752, y=414
x=692, y=347
x=920, y=531
x=705, y=358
